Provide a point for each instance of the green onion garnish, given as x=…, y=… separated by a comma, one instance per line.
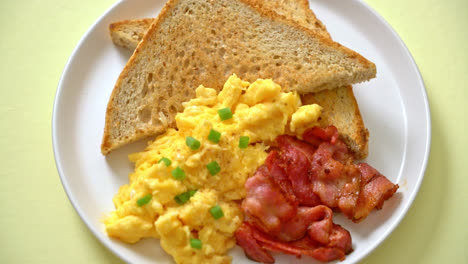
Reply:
x=166, y=161
x=213, y=167
x=225, y=113
x=178, y=173
x=184, y=197
x=216, y=212
x=144, y=200
x=214, y=136
x=243, y=142
x=192, y=143
x=195, y=243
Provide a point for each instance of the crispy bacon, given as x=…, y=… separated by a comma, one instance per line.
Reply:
x=294, y=158
x=289, y=200
x=375, y=189
x=338, y=246
x=340, y=238
x=315, y=221
x=279, y=176
x=251, y=247
x=265, y=203
x=330, y=176
x=317, y=135
x=350, y=192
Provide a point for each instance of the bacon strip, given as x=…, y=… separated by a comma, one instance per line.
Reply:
x=295, y=170
x=265, y=202
x=317, y=135
x=268, y=211
x=305, y=246
x=329, y=175
x=314, y=221
x=375, y=189
x=251, y=247
x=294, y=158
x=278, y=175
x=289, y=199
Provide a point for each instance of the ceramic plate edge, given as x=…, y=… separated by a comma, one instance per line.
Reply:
x=54, y=133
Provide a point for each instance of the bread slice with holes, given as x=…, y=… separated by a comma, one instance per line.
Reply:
x=128, y=33
x=340, y=106
x=203, y=42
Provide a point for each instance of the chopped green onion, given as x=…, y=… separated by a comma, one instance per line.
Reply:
x=214, y=136
x=144, y=200
x=225, y=113
x=216, y=212
x=178, y=173
x=166, y=161
x=243, y=142
x=213, y=167
x=184, y=197
x=192, y=143
x=195, y=243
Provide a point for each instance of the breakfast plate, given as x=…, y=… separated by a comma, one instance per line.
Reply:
x=394, y=107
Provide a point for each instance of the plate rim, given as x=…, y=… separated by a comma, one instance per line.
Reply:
x=56, y=151
x=422, y=172
x=364, y=254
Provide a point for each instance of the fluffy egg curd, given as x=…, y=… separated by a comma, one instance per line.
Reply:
x=188, y=182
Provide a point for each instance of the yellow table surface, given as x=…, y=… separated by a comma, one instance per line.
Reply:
x=38, y=223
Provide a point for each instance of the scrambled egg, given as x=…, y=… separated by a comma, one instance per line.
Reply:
x=304, y=117
x=172, y=191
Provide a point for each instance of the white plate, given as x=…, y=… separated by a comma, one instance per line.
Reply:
x=394, y=107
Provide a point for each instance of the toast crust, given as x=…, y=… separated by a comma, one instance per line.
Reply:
x=138, y=27
x=108, y=144
x=328, y=41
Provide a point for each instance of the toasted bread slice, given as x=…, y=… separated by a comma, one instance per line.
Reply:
x=188, y=46
x=340, y=106
x=341, y=110
x=129, y=33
